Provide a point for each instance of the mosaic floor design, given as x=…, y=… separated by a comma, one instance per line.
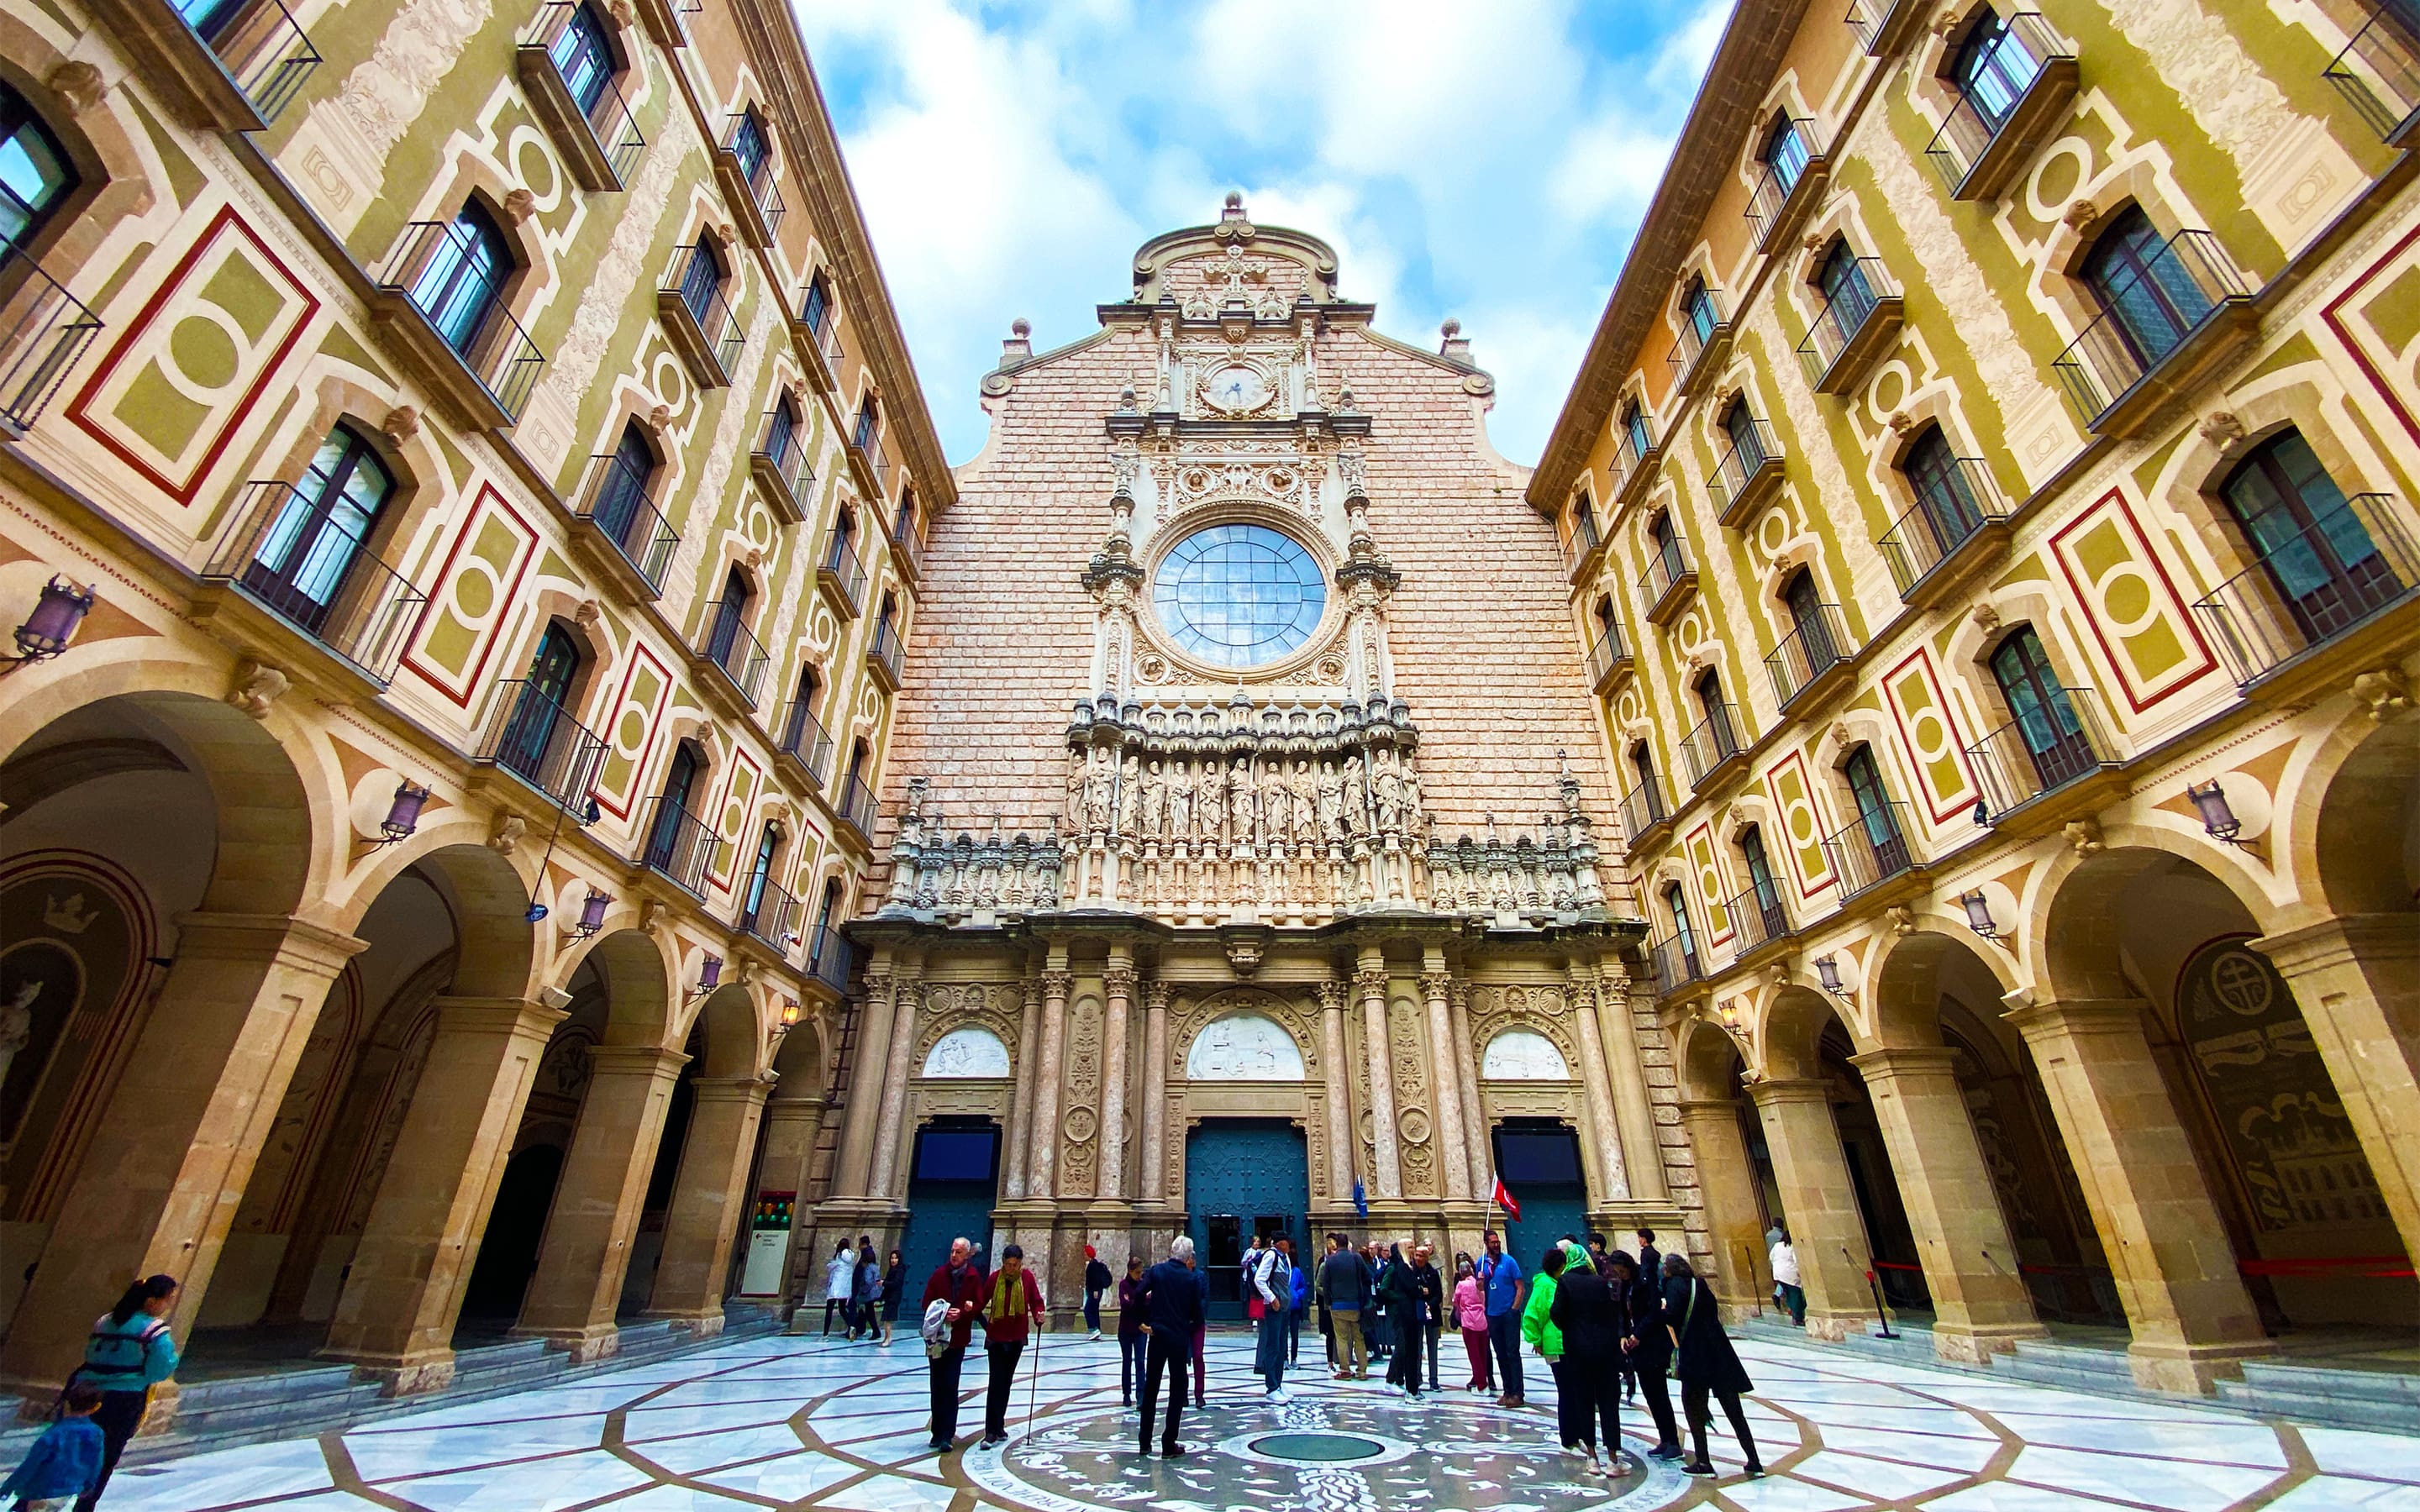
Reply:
x=806, y=1423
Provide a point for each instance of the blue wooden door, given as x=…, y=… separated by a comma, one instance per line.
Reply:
x=952, y=1188
x=1242, y=1177
x=1540, y=1163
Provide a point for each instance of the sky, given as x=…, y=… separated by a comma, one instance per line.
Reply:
x=1486, y=160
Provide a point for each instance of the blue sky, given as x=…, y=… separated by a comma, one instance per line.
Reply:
x=1486, y=160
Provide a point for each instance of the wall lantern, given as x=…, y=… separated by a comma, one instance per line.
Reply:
x=1827, y=972
x=403, y=815
x=2217, y=815
x=56, y=615
x=709, y=976
x=1978, y=914
x=591, y=914
x=789, y=1015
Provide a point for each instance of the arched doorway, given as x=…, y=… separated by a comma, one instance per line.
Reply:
x=1242, y=1177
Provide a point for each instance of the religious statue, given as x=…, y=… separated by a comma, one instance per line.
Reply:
x=1277, y=806
x=1305, y=791
x=1356, y=797
x=1331, y=802
x=1386, y=789
x=1129, y=798
x=1097, y=781
x=1076, y=790
x=1180, y=802
x=17, y=1025
x=1239, y=797
x=1210, y=802
x=1155, y=804
x=1411, y=799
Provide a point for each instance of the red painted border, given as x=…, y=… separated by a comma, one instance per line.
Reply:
x=2092, y=618
x=1707, y=904
x=79, y=409
x=488, y=495
x=655, y=726
x=2353, y=347
x=1923, y=662
x=1780, y=814
x=725, y=879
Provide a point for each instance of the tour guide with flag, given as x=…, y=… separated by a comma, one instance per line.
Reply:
x=1501, y=1284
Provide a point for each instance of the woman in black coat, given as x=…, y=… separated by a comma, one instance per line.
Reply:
x=1707, y=1366
x=1650, y=1347
x=1590, y=1371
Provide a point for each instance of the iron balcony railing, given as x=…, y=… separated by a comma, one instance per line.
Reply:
x=532, y=736
x=857, y=808
x=1631, y=460
x=1878, y=22
x=1676, y=963
x=1642, y=810
x=679, y=846
x=1870, y=849
x=1820, y=643
x=828, y=348
x=2305, y=589
x=2378, y=72
x=1842, y=318
x=617, y=497
x=264, y=50
x=869, y=456
x=44, y=329
x=2003, y=79
x=784, y=457
x=770, y=913
x=803, y=737
x=886, y=649
x=1947, y=514
x=700, y=284
x=832, y=959
x=292, y=557
x=2175, y=293
x=1785, y=168
x=1607, y=655
x=1757, y=918
x=1665, y=566
x=1693, y=345
x=1713, y=741
x=762, y=188
x=847, y=572
x=907, y=547
x=615, y=130
x=1746, y=467
x=729, y=645
x=2051, y=744
x=433, y=270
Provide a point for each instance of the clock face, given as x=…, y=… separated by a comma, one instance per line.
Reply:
x=1236, y=388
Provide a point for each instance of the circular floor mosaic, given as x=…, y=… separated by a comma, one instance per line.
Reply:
x=1319, y=1453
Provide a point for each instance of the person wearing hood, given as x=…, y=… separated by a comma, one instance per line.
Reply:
x=1097, y=1282
x=1594, y=1329
x=1539, y=1330
x=1707, y=1365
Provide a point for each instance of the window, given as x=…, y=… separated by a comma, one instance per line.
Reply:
x=463, y=280
x=1784, y=152
x=824, y=912
x=1642, y=762
x=844, y=532
x=538, y=738
x=1759, y=881
x=758, y=875
x=2044, y=716
x=2149, y=294
x=882, y=620
x=1682, y=934
x=780, y=428
x=701, y=278
x=750, y=146
x=1634, y=426
x=818, y=309
x=1807, y=618
x=869, y=425
x=729, y=617
x=1874, y=815
x=903, y=524
x=1583, y=523
x=1846, y=292
x=1941, y=488
x=309, y=551
x=1666, y=538
x=1709, y=689
x=1993, y=69
x=35, y=173
x=1747, y=441
x=1603, y=618
x=803, y=704
x=1697, y=309
x=664, y=836
x=2314, y=548
x=1239, y=595
x=624, y=489
x=581, y=56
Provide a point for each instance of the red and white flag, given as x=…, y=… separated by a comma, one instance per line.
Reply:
x=1502, y=1198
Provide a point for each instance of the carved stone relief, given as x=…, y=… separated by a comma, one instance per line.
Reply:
x=968, y=1053
x=1244, y=1047
x=1523, y=1056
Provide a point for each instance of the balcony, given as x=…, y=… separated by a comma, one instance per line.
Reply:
x=782, y=470
x=1956, y=530
x=1609, y=661
x=1854, y=329
x=621, y=532
x=857, y=808
x=733, y=651
x=321, y=581
x=599, y=142
x=667, y=20
x=1757, y=920
x=1870, y=850
x=1675, y=964
x=44, y=329
x=1883, y=27
x=1813, y=662
x=820, y=343
x=1781, y=196
x=2313, y=587
x=2024, y=83
x=803, y=745
x=1668, y=582
x=1699, y=352
x=907, y=551
x=1580, y=550
x=832, y=960
x=1747, y=474
x=538, y=740
x=698, y=320
x=2051, y=749
x=771, y=916
x=2379, y=72
x=1638, y=469
x=679, y=847
x=756, y=196
x=1643, y=813
x=2184, y=314
x=228, y=65
x=452, y=328
x=885, y=655
x=866, y=465
x=1715, y=749
x=842, y=577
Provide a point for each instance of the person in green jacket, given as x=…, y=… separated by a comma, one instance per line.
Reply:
x=1538, y=1327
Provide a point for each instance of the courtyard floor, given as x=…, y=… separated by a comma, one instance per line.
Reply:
x=807, y=1423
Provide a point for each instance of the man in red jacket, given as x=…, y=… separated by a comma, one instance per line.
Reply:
x=1012, y=1306
x=958, y=1282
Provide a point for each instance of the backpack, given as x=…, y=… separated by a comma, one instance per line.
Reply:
x=110, y=1349
x=936, y=1327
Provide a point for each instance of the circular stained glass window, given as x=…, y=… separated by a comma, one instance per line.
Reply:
x=1238, y=596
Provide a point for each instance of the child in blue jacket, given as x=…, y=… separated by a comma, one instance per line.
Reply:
x=65, y=1463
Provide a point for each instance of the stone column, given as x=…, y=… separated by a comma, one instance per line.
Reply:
x=1980, y=1306
x=1029, y=1050
x=1453, y=1135
x=710, y=1200
x=792, y=1126
x=1734, y=1225
x=898, y=1065
x=581, y=1262
x=1343, y=1128
x=1633, y=1112
x=2357, y=981
x=1819, y=1205
x=1042, y=1139
x=164, y=1172
x=404, y=1287
x=1474, y=1114
x=1117, y=992
x=1153, y=1176
x=1370, y=983
x=853, y=1174
x=2159, y=1228
x=1581, y=986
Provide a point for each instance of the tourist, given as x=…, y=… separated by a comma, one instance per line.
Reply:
x=128, y=1353
x=1200, y=1332
x=1706, y=1363
x=1650, y=1264
x=1650, y=1347
x=1499, y=1277
x=1593, y=1333
x=1400, y=1284
x=1271, y=1280
x=1097, y=1281
x=1301, y=1300
x=63, y=1464
x=894, y=1289
x=1013, y=1305
x=1250, y=1298
x=1344, y=1287
x=1172, y=1308
x=1538, y=1330
x=866, y=1291
x=1377, y=1327
x=1130, y=1333
x=1785, y=1278
x=1326, y=1322
x=958, y=1283
x=1432, y=1308
x=1471, y=1315
x=840, y=1286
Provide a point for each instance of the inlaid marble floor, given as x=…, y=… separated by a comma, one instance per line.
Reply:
x=807, y=1423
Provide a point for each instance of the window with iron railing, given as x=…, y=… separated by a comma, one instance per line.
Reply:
x=2378, y=73
x=2153, y=293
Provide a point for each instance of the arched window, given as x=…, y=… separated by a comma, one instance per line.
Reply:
x=1724, y=740
x=801, y=710
x=2313, y=548
x=1875, y=816
x=844, y=535
x=1784, y=151
x=755, y=151
x=702, y=277
x=539, y=739
x=1842, y=279
x=665, y=842
x=1643, y=804
x=1634, y=428
x=1759, y=881
x=626, y=485
x=759, y=872
x=781, y=432
x=581, y=56
x=824, y=912
x=817, y=308
x=302, y=563
x=1683, y=937
x=1583, y=523
x=1747, y=437
x=1992, y=69
x=1697, y=309
x=903, y=521
x=882, y=618
x=36, y=176
x=869, y=424
x=1666, y=538
x=1814, y=631
x=730, y=616
x=2044, y=716
x=1642, y=762
x=1941, y=489
x=1604, y=623
x=2149, y=294
x=462, y=282
x=857, y=754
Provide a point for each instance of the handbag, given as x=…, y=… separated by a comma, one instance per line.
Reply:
x=1672, y=1366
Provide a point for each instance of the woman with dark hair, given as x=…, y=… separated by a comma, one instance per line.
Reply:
x=1400, y=1288
x=1471, y=1315
x=895, y=1289
x=1649, y=1346
x=128, y=1353
x=866, y=1292
x=1706, y=1363
x=1589, y=1373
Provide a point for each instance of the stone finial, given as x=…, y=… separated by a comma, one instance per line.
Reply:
x=1020, y=328
x=520, y=206
x=401, y=425
x=1020, y=345
x=1234, y=207
x=78, y=85
x=1126, y=402
x=1451, y=328
x=257, y=686
x=2221, y=426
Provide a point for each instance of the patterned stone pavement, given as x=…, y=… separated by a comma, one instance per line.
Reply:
x=806, y=1423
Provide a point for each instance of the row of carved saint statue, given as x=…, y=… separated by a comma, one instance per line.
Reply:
x=1245, y=799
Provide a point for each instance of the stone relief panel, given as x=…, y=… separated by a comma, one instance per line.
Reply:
x=1543, y=1009
x=1081, y=1123
x=1244, y=1047
x=1523, y=1056
x=1408, y=1064
x=965, y=1053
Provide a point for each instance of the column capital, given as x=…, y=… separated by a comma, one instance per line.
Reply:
x=1791, y=1089
x=1117, y=979
x=2046, y=1019
x=1057, y=984
x=497, y=1015
x=1370, y=983
x=1904, y=1061
x=635, y=1059
x=1331, y=996
x=729, y=1088
x=1435, y=981
x=1155, y=996
x=2340, y=940
x=292, y=940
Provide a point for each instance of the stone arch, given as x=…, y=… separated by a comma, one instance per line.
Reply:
x=728, y=1020
x=1711, y=1062
x=1907, y=976
x=1256, y=1037
x=641, y=991
x=969, y=1050
x=1792, y=1028
x=2351, y=817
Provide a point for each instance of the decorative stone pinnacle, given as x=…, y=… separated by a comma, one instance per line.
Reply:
x=1451, y=328
x=1020, y=328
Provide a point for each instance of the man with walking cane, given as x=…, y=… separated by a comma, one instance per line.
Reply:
x=1012, y=1306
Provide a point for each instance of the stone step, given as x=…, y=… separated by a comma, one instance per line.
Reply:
x=2386, y=1386
x=2078, y=1358
x=2377, y=1413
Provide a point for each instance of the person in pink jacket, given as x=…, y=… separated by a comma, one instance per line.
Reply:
x=1471, y=1315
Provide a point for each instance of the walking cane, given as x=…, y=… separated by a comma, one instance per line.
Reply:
x=1034, y=1389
